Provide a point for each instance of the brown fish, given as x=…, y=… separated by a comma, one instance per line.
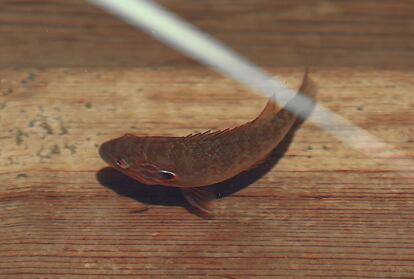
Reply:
x=205, y=158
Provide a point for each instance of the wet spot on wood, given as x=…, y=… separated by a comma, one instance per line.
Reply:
x=63, y=129
x=12, y=160
x=325, y=147
x=71, y=147
x=96, y=145
x=360, y=108
x=21, y=176
x=42, y=153
x=41, y=121
x=3, y=105
x=309, y=147
x=7, y=92
x=49, y=125
x=45, y=153
x=46, y=127
x=32, y=76
x=20, y=135
x=88, y=105
x=55, y=149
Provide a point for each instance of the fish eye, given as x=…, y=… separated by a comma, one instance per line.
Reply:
x=168, y=175
x=121, y=163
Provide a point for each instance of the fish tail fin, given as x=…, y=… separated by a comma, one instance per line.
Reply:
x=308, y=86
x=304, y=102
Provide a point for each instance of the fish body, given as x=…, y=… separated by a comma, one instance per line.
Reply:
x=205, y=158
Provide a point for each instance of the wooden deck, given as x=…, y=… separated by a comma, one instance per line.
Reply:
x=315, y=208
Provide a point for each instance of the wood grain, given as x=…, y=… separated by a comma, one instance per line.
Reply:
x=274, y=33
x=324, y=209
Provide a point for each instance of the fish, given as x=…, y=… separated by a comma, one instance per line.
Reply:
x=197, y=160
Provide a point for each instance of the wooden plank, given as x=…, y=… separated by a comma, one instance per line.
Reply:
x=272, y=33
x=323, y=210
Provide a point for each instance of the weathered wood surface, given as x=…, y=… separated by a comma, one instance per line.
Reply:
x=323, y=210
x=274, y=33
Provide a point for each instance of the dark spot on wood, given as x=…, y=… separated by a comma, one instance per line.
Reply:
x=21, y=176
x=63, y=130
x=88, y=105
x=325, y=147
x=309, y=147
x=20, y=135
x=3, y=105
x=96, y=145
x=360, y=108
x=55, y=149
x=41, y=121
x=32, y=76
x=7, y=92
x=12, y=161
x=46, y=127
x=71, y=147
x=44, y=153
x=41, y=154
x=88, y=138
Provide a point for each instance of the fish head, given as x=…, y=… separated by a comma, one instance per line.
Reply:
x=139, y=160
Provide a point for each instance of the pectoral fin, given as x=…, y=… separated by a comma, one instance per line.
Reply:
x=199, y=198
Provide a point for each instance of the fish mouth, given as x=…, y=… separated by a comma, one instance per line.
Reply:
x=104, y=153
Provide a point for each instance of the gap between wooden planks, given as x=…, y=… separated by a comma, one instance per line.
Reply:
x=322, y=210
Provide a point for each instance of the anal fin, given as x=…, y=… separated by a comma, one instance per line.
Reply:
x=199, y=198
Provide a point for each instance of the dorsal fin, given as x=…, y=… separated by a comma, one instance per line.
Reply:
x=270, y=109
x=209, y=135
